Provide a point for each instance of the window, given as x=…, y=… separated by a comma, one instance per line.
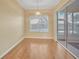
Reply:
x=70, y=23
x=38, y=23
x=60, y=21
x=76, y=23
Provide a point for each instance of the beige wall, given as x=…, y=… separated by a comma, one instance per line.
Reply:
x=11, y=24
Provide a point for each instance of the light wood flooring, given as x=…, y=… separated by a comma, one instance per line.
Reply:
x=38, y=49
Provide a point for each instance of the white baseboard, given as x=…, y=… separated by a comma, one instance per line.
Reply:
x=40, y=37
x=12, y=47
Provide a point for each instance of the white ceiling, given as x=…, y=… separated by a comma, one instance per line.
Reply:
x=35, y=4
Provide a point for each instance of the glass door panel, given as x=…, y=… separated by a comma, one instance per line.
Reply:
x=61, y=28
x=68, y=31
x=73, y=33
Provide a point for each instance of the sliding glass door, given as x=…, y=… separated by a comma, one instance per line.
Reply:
x=61, y=27
x=73, y=33
x=68, y=30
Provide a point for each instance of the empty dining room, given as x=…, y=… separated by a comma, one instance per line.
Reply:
x=39, y=29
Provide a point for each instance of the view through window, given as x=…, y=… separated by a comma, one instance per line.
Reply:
x=38, y=23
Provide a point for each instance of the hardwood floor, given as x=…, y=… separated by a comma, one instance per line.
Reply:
x=38, y=49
